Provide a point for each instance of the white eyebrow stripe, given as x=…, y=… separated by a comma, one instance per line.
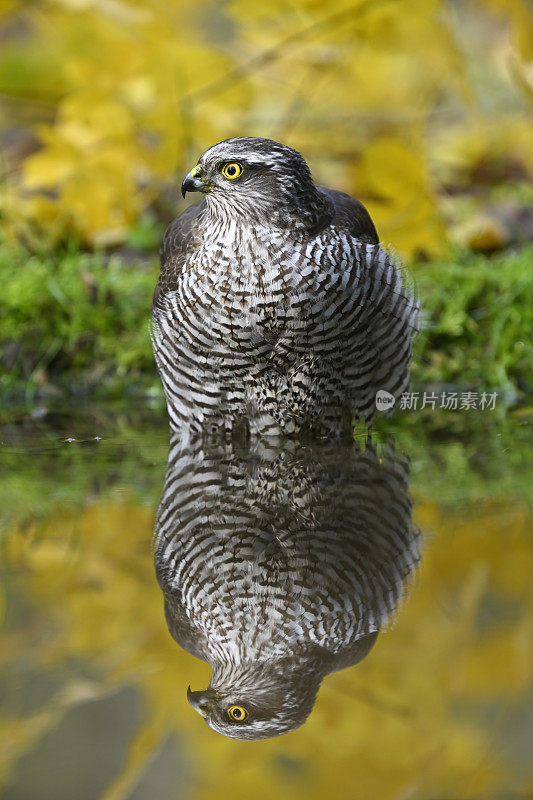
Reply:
x=228, y=153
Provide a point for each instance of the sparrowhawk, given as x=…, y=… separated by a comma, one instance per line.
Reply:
x=275, y=302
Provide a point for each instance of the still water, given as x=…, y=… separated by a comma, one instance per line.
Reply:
x=374, y=601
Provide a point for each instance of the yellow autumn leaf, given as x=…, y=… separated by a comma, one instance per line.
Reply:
x=393, y=181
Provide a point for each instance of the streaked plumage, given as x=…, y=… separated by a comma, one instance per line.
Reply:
x=278, y=568
x=275, y=302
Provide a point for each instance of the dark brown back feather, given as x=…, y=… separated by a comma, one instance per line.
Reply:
x=351, y=216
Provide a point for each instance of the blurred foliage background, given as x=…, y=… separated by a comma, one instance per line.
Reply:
x=420, y=108
x=403, y=103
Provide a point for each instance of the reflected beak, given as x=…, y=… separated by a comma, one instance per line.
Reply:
x=194, y=181
x=198, y=701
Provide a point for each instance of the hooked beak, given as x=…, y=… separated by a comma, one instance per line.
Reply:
x=198, y=701
x=194, y=181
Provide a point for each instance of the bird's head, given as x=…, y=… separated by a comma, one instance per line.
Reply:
x=258, y=701
x=259, y=180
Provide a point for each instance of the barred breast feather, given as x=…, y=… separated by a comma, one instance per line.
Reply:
x=290, y=330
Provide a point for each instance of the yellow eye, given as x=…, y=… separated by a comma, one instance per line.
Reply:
x=237, y=713
x=232, y=170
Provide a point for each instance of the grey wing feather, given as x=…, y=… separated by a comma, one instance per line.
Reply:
x=351, y=216
x=182, y=630
x=180, y=239
x=353, y=653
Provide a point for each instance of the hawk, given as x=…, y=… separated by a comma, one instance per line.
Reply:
x=275, y=304
x=279, y=567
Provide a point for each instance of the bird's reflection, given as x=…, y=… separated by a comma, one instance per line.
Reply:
x=279, y=567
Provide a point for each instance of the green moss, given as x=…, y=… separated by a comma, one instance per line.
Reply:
x=478, y=314
x=75, y=320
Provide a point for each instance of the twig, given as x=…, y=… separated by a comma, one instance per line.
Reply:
x=281, y=48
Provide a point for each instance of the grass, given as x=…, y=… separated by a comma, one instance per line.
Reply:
x=479, y=317
x=74, y=323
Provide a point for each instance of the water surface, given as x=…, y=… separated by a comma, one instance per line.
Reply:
x=94, y=687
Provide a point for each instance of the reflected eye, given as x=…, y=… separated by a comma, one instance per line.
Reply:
x=238, y=713
x=232, y=171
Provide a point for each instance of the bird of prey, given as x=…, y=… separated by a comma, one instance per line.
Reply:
x=279, y=567
x=275, y=303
